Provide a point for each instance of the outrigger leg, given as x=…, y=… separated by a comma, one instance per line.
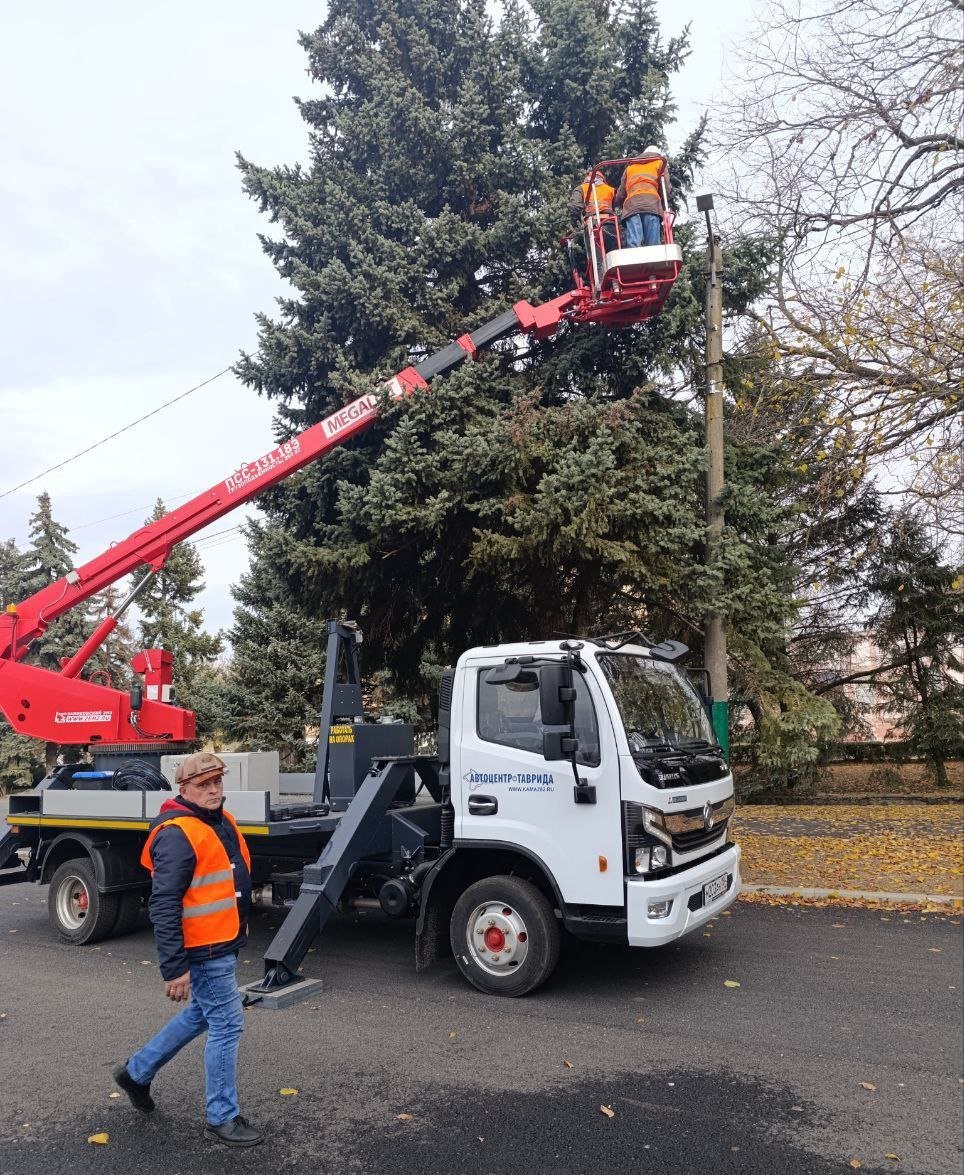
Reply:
x=323, y=884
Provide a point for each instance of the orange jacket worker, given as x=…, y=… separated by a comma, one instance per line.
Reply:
x=199, y=906
x=640, y=198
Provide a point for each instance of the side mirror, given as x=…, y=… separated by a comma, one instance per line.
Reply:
x=557, y=697
x=504, y=674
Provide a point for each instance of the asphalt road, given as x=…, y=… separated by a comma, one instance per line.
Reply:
x=764, y=1077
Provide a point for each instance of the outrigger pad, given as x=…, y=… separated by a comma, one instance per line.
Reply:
x=281, y=997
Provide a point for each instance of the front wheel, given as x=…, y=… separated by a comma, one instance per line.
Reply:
x=504, y=935
x=77, y=912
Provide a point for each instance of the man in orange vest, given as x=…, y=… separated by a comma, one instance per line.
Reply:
x=640, y=197
x=591, y=195
x=199, y=906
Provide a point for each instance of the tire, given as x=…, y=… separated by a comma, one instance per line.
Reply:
x=504, y=935
x=130, y=905
x=77, y=912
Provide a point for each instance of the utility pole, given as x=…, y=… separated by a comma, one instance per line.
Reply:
x=715, y=652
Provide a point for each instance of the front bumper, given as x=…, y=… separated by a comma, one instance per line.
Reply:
x=684, y=889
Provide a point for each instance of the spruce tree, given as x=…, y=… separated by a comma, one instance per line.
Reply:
x=21, y=758
x=919, y=626
x=49, y=558
x=168, y=621
x=551, y=485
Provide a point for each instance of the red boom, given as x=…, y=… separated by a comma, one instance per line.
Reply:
x=63, y=708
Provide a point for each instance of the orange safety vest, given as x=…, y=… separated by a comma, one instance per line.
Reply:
x=209, y=911
x=642, y=179
x=604, y=196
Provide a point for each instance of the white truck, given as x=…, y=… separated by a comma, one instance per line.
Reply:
x=578, y=784
x=577, y=788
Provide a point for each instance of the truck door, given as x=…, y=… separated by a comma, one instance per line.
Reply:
x=505, y=791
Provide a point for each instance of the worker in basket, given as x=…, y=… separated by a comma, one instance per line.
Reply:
x=591, y=205
x=641, y=196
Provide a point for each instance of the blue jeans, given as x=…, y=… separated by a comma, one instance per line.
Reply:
x=216, y=1006
x=642, y=229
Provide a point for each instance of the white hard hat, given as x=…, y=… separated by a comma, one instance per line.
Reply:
x=652, y=149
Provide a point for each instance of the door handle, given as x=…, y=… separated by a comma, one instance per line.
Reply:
x=483, y=805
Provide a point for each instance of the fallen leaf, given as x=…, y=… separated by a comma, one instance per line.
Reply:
x=568, y=1064
x=403, y=1117
x=797, y=1109
x=287, y=1092
x=640, y=1019
x=936, y=950
x=856, y=1164
x=608, y=1111
x=114, y=1094
x=453, y=1035
x=730, y=983
x=3, y=1015
x=896, y=1158
x=867, y=1085
x=101, y=1139
x=839, y=926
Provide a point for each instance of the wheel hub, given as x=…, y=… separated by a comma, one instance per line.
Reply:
x=73, y=903
x=497, y=937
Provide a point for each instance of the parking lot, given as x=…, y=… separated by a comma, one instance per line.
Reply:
x=405, y=1073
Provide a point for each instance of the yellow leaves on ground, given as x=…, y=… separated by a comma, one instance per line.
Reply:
x=101, y=1139
x=568, y=1064
x=288, y=1091
x=890, y=848
x=403, y=1117
x=867, y=1085
x=608, y=1111
x=730, y=983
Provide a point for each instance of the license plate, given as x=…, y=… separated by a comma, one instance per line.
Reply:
x=715, y=889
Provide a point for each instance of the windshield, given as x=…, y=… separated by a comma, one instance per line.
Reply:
x=656, y=703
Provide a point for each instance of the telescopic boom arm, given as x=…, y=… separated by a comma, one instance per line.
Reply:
x=60, y=707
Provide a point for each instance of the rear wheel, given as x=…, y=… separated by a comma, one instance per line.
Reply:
x=77, y=912
x=504, y=936
x=130, y=905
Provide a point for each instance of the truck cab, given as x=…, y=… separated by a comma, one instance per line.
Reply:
x=630, y=832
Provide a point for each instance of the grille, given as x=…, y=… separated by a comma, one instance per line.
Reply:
x=688, y=829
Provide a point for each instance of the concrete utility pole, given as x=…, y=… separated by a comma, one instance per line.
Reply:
x=715, y=654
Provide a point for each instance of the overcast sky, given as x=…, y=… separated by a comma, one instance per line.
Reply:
x=130, y=269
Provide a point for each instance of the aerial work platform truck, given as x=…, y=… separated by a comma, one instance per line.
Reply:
x=577, y=785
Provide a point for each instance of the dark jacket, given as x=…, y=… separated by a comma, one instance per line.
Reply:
x=174, y=862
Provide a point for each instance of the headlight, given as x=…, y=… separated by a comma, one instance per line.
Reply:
x=648, y=859
x=653, y=824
